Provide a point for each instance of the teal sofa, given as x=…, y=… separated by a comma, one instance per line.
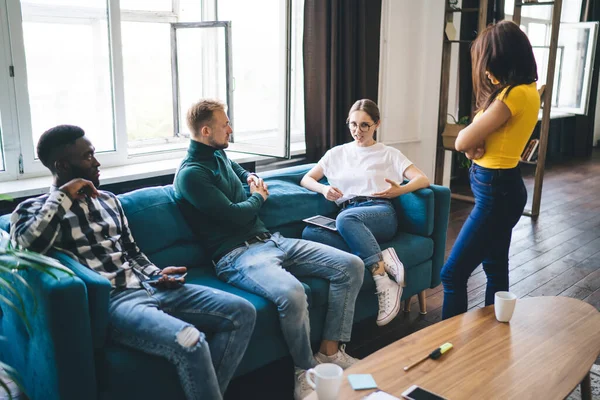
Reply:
x=67, y=355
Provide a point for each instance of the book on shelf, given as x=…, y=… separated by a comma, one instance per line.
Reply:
x=531, y=150
x=534, y=150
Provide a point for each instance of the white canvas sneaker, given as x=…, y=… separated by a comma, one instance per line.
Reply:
x=393, y=266
x=301, y=388
x=340, y=358
x=389, y=294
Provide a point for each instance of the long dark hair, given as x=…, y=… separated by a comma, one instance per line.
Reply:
x=504, y=51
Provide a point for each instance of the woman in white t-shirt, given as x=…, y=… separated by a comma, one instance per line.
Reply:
x=363, y=176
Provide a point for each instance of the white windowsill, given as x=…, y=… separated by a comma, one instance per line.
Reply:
x=36, y=186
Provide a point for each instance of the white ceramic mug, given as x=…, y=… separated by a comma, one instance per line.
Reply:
x=504, y=305
x=325, y=379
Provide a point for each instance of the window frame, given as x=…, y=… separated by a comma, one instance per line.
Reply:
x=226, y=25
x=15, y=113
x=11, y=145
x=588, y=68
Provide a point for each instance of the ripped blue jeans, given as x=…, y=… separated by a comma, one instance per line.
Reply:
x=172, y=323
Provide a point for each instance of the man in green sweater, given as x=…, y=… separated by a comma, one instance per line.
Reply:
x=208, y=188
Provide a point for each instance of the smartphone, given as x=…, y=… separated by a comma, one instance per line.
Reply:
x=418, y=393
x=154, y=280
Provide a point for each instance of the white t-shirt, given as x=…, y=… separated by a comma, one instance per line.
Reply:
x=361, y=171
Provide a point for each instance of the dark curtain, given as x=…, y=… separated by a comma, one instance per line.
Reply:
x=341, y=65
x=584, y=124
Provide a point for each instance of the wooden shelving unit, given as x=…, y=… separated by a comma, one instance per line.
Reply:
x=546, y=97
x=546, y=101
x=445, y=82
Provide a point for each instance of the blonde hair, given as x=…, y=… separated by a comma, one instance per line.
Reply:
x=200, y=114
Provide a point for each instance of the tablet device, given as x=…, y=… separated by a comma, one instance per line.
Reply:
x=321, y=221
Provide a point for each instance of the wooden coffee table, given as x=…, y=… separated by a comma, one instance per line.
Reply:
x=545, y=351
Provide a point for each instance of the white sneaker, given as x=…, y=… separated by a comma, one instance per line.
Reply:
x=389, y=293
x=393, y=266
x=340, y=358
x=301, y=387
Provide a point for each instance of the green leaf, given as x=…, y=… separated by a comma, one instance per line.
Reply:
x=4, y=283
x=40, y=259
x=23, y=282
x=6, y=301
x=11, y=373
x=18, y=277
x=4, y=386
x=34, y=265
x=4, y=197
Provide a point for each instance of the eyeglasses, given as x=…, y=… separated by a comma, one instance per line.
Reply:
x=363, y=127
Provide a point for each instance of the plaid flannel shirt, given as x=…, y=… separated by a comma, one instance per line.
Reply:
x=92, y=231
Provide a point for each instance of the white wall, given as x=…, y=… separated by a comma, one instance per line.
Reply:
x=409, y=78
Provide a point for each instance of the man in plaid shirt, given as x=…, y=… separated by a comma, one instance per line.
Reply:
x=90, y=225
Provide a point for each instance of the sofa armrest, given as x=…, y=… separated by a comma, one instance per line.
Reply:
x=55, y=359
x=98, y=293
x=415, y=212
x=441, y=214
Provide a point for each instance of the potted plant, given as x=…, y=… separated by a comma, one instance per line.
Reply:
x=461, y=163
x=13, y=288
x=451, y=131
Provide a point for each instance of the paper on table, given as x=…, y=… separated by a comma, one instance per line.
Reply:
x=379, y=395
x=362, y=381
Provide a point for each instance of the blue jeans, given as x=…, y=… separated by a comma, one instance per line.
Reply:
x=500, y=198
x=161, y=322
x=270, y=268
x=360, y=227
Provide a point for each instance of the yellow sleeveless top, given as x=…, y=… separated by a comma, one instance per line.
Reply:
x=503, y=147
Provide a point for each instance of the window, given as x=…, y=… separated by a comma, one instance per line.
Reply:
x=195, y=77
x=572, y=84
x=575, y=52
x=68, y=68
x=127, y=70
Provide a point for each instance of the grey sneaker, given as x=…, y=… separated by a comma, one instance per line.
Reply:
x=389, y=294
x=393, y=266
x=340, y=358
x=301, y=387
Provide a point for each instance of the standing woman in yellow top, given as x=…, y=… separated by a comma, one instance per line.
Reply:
x=504, y=81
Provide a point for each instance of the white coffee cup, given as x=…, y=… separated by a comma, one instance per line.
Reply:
x=504, y=305
x=327, y=380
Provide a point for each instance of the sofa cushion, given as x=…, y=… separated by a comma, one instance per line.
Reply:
x=159, y=228
x=289, y=202
x=416, y=212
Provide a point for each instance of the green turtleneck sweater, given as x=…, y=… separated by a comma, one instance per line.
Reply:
x=209, y=191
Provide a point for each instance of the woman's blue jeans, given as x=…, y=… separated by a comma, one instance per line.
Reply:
x=500, y=198
x=361, y=227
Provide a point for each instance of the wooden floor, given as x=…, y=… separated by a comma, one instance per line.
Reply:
x=557, y=254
